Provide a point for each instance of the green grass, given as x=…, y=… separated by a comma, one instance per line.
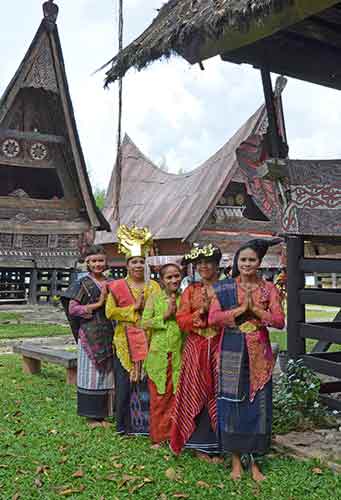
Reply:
x=322, y=313
x=10, y=316
x=43, y=444
x=23, y=330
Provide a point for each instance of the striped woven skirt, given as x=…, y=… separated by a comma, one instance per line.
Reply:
x=194, y=419
x=95, y=389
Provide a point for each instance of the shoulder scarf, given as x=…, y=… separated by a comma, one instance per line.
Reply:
x=136, y=336
x=98, y=330
x=250, y=334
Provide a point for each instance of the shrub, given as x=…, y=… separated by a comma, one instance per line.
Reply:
x=296, y=401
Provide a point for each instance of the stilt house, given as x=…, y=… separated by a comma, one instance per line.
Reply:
x=47, y=209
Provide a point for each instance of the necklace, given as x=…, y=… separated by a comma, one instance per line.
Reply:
x=251, y=286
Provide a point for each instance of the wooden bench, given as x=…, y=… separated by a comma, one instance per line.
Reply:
x=34, y=354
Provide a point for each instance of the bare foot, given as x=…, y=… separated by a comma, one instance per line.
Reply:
x=256, y=474
x=237, y=468
x=217, y=460
x=94, y=423
x=236, y=474
x=106, y=424
x=203, y=457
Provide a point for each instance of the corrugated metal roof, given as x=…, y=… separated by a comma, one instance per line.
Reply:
x=171, y=205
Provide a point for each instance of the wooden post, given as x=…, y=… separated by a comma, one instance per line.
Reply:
x=31, y=365
x=32, y=296
x=271, y=111
x=53, y=286
x=71, y=376
x=296, y=282
x=334, y=280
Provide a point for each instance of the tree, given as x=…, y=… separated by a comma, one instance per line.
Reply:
x=99, y=195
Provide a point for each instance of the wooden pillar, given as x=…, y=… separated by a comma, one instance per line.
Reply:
x=53, y=285
x=32, y=296
x=71, y=376
x=31, y=365
x=334, y=280
x=271, y=111
x=296, y=282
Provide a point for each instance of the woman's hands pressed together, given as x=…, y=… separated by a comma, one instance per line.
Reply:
x=140, y=302
x=248, y=304
x=205, y=302
x=101, y=301
x=172, y=307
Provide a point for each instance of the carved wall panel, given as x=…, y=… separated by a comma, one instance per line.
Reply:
x=41, y=213
x=42, y=73
x=11, y=148
x=35, y=241
x=53, y=240
x=17, y=240
x=6, y=240
x=68, y=241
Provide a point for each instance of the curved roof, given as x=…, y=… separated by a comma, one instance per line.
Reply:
x=172, y=206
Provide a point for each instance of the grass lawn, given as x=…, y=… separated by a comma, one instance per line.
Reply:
x=47, y=452
x=27, y=330
x=10, y=316
x=321, y=313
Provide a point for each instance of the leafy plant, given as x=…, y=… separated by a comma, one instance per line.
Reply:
x=296, y=401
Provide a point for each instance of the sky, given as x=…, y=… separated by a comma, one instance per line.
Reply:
x=175, y=113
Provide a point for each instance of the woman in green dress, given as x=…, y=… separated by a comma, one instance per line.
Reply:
x=164, y=356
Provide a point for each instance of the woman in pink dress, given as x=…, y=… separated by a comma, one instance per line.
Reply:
x=245, y=306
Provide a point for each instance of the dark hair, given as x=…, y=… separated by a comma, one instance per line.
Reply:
x=163, y=269
x=259, y=246
x=93, y=250
x=135, y=257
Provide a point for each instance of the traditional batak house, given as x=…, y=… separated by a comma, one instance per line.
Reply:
x=297, y=38
x=210, y=203
x=47, y=209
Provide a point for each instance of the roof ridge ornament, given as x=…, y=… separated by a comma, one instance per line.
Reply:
x=50, y=10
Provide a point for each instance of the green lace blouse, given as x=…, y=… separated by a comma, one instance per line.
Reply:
x=165, y=338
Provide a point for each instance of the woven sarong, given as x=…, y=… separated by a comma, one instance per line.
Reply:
x=244, y=426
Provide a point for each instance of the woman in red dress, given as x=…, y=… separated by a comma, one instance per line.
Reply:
x=194, y=418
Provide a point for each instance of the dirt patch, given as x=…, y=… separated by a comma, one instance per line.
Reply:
x=321, y=444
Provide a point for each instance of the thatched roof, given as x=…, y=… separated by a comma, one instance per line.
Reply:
x=173, y=206
x=199, y=29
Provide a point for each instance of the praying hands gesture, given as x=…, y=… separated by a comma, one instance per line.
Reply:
x=205, y=302
x=101, y=301
x=248, y=304
x=172, y=307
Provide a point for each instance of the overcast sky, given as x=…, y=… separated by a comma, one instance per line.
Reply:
x=174, y=112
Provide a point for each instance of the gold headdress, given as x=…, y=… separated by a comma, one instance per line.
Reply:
x=202, y=251
x=134, y=241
